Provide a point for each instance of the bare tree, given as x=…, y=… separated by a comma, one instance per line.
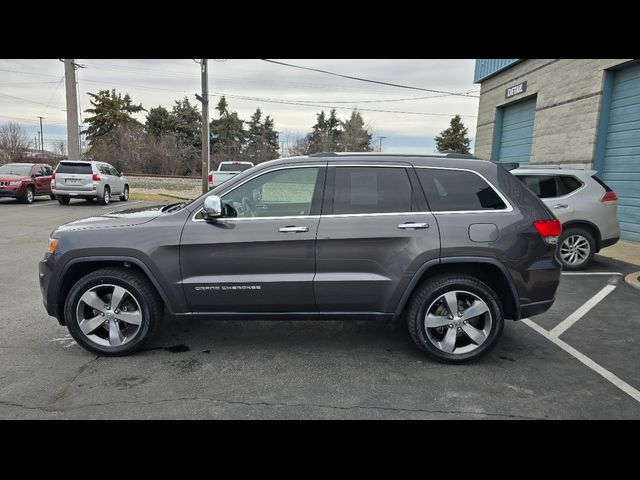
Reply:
x=60, y=148
x=14, y=141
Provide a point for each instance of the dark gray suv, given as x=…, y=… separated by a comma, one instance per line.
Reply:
x=450, y=245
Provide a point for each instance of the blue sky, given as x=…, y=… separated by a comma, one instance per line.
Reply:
x=32, y=88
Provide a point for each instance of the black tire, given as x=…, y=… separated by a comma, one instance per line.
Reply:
x=150, y=303
x=52, y=196
x=125, y=194
x=431, y=290
x=28, y=196
x=106, y=196
x=585, y=234
x=63, y=199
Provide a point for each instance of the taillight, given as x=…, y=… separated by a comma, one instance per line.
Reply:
x=210, y=178
x=95, y=177
x=609, y=198
x=549, y=230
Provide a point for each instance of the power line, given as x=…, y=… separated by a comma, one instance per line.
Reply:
x=29, y=73
x=285, y=102
x=370, y=81
x=23, y=99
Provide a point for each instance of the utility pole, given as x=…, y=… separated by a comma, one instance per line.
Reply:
x=41, y=136
x=73, y=139
x=380, y=147
x=206, y=160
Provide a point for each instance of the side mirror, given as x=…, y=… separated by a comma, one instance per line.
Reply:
x=212, y=208
x=120, y=174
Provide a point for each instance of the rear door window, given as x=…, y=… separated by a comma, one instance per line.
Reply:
x=74, y=168
x=371, y=190
x=457, y=190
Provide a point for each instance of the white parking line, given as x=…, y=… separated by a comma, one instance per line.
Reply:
x=582, y=311
x=592, y=273
x=622, y=385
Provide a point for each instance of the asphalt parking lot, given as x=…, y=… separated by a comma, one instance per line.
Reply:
x=586, y=368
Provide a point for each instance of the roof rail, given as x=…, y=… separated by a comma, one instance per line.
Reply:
x=452, y=154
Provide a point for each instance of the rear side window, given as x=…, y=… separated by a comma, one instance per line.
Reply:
x=74, y=167
x=456, y=190
x=47, y=170
x=568, y=184
x=371, y=190
x=602, y=184
x=544, y=186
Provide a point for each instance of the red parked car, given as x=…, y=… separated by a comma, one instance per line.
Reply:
x=23, y=181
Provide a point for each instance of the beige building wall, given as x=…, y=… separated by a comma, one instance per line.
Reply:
x=567, y=107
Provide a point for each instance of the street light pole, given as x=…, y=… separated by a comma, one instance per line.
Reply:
x=380, y=147
x=206, y=163
x=41, y=137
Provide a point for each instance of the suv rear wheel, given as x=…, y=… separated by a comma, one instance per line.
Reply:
x=113, y=311
x=125, y=194
x=106, y=196
x=576, y=247
x=455, y=318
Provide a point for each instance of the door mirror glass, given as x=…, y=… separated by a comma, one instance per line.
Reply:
x=212, y=208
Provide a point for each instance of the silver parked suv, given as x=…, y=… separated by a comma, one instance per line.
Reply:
x=584, y=204
x=88, y=180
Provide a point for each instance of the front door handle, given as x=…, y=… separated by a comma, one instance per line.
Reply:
x=291, y=229
x=413, y=225
x=561, y=205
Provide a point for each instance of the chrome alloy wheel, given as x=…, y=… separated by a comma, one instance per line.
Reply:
x=574, y=250
x=109, y=315
x=458, y=322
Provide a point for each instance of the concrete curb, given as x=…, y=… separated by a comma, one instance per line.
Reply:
x=633, y=279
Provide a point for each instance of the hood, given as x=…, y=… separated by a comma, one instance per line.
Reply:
x=5, y=177
x=121, y=218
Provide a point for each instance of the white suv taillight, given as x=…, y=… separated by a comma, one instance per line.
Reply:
x=609, y=198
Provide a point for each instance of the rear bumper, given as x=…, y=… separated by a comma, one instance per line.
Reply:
x=75, y=193
x=535, y=308
x=608, y=242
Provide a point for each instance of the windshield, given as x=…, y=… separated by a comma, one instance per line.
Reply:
x=234, y=167
x=15, y=169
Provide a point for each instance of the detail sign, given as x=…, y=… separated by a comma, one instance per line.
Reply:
x=516, y=90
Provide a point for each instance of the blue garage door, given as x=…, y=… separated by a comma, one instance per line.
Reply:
x=516, y=136
x=621, y=166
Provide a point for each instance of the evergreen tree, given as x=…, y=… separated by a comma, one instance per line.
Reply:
x=187, y=122
x=160, y=122
x=262, y=139
x=454, y=138
x=325, y=134
x=110, y=110
x=355, y=137
x=227, y=134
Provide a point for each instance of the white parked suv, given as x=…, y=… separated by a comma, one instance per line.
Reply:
x=89, y=180
x=584, y=204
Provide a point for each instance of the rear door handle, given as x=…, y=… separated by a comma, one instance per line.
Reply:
x=291, y=229
x=413, y=225
x=561, y=205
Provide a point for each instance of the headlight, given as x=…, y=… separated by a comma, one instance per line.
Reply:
x=15, y=182
x=53, y=243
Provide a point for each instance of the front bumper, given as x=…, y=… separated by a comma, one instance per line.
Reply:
x=11, y=192
x=45, y=274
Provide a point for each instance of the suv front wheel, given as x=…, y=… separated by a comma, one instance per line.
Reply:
x=455, y=318
x=113, y=311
